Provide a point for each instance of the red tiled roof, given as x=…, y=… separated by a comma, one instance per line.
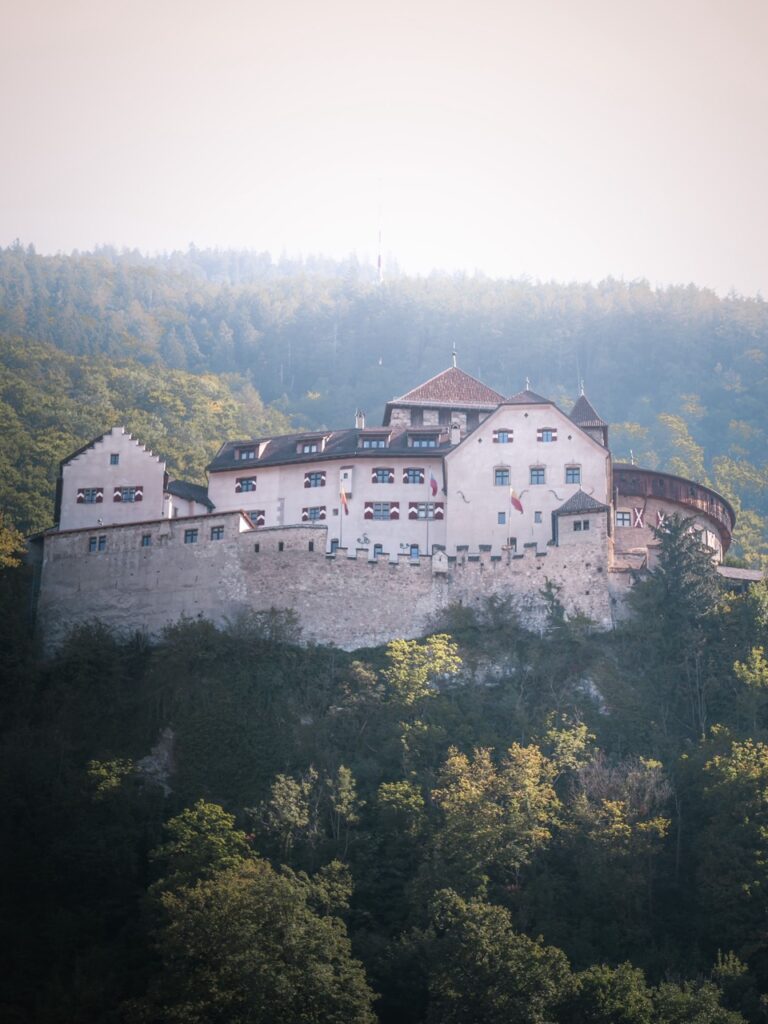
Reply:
x=452, y=387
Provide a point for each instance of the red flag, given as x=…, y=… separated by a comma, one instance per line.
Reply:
x=514, y=500
x=432, y=484
x=343, y=500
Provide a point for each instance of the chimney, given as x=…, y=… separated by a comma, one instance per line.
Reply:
x=359, y=419
x=455, y=433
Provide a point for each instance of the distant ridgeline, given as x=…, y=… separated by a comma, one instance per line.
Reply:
x=369, y=532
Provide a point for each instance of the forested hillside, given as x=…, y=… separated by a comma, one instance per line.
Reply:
x=681, y=374
x=487, y=825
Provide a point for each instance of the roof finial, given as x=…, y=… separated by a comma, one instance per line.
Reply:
x=527, y=383
x=631, y=457
x=581, y=386
x=453, y=356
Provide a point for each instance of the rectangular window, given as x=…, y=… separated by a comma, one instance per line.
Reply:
x=382, y=476
x=190, y=536
x=422, y=510
x=537, y=517
x=546, y=434
x=585, y=524
x=501, y=518
x=573, y=474
x=128, y=494
x=580, y=524
x=309, y=447
x=316, y=513
x=414, y=551
x=501, y=477
x=102, y=546
x=146, y=540
x=91, y=495
x=412, y=475
x=374, y=442
x=114, y=459
x=246, y=454
x=217, y=533
x=537, y=475
x=281, y=545
x=502, y=437
x=245, y=483
x=91, y=544
x=430, y=441
x=381, y=510
x=311, y=546
x=256, y=547
x=314, y=479
x=623, y=518
x=378, y=550
x=334, y=545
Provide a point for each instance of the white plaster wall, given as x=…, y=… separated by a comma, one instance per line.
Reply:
x=136, y=466
x=474, y=501
x=628, y=538
x=281, y=493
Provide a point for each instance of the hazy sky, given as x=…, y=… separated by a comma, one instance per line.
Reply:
x=566, y=139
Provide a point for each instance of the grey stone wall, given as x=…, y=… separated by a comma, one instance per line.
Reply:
x=346, y=599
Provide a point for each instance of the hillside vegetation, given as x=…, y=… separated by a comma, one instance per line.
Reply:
x=681, y=374
x=486, y=825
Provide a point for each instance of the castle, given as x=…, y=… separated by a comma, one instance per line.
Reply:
x=369, y=532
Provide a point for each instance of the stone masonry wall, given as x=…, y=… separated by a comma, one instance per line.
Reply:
x=346, y=599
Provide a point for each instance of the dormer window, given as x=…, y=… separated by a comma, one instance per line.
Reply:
x=308, y=447
x=374, y=440
x=246, y=454
x=311, y=445
x=423, y=440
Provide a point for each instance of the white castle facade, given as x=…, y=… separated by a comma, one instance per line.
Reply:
x=368, y=532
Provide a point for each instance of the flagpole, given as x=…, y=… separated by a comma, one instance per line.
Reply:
x=429, y=492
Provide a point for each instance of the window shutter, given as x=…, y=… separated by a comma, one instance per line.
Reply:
x=394, y=510
x=391, y=476
x=322, y=479
x=661, y=518
x=139, y=493
x=238, y=486
x=413, y=510
x=99, y=495
x=421, y=476
x=260, y=517
x=118, y=495
x=304, y=515
x=439, y=510
x=322, y=511
x=637, y=517
x=373, y=477
x=80, y=496
x=306, y=480
x=368, y=511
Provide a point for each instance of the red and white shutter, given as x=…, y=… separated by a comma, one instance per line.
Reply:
x=118, y=495
x=368, y=511
x=439, y=510
x=307, y=482
x=305, y=515
x=413, y=510
x=637, y=517
x=99, y=495
x=80, y=495
x=260, y=517
x=661, y=518
x=394, y=510
x=238, y=485
x=138, y=493
x=391, y=476
x=322, y=511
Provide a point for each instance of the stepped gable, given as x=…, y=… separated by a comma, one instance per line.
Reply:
x=527, y=397
x=584, y=415
x=190, y=492
x=579, y=502
x=452, y=387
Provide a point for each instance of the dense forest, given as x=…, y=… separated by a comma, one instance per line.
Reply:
x=192, y=348
x=485, y=825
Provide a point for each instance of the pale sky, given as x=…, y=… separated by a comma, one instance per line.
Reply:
x=554, y=139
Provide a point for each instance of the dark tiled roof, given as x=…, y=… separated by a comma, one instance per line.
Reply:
x=584, y=415
x=527, y=397
x=731, y=572
x=452, y=387
x=190, y=492
x=340, y=444
x=580, y=502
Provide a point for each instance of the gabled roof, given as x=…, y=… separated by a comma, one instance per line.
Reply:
x=527, y=397
x=190, y=492
x=452, y=387
x=584, y=415
x=96, y=440
x=580, y=502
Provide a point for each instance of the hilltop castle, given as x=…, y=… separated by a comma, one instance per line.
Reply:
x=368, y=532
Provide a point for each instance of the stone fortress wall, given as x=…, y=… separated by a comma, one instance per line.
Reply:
x=347, y=599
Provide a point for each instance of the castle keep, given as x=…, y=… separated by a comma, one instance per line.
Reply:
x=369, y=532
